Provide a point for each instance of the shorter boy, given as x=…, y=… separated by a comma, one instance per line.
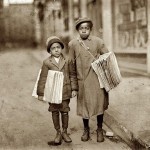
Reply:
x=58, y=62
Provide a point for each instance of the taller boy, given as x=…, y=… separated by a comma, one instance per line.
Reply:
x=92, y=100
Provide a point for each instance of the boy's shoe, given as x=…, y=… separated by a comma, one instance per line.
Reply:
x=66, y=137
x=58, y=138
x=100, y=136
x=86, y=135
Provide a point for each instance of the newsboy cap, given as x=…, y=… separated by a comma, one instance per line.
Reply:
x=51, y=40
x=82, y=20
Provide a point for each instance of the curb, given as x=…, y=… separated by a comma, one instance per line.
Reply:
x=126, y=135
x=134, y=71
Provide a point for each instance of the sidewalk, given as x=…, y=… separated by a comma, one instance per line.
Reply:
x=128, y=113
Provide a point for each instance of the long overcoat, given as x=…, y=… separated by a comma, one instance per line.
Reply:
x=92, y=100
x=51, y=64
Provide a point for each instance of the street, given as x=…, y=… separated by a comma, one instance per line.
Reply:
x=26, y=27
x=25, y=121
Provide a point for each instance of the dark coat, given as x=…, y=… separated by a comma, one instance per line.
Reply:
x=92, y=100
x=51, y=64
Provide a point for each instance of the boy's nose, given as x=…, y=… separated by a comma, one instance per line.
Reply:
x=84, y=31
x=56, y=49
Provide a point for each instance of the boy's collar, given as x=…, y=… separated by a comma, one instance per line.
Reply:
x=60, y=64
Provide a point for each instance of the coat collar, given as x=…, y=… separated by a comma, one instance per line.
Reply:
x=61, y=61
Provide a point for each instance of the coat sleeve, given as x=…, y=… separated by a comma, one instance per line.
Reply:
x=72, y=69
x=42, y=80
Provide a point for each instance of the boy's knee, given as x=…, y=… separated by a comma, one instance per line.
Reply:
x=64, y=113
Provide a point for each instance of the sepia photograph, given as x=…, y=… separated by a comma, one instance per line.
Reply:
x=74, y=74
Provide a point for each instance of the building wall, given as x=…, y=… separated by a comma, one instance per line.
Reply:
x=52, y=21
x=18, y=24
x=94, y=11
x=2, y=25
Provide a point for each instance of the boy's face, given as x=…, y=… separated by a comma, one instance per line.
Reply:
x=55, y=50
x=84, y=30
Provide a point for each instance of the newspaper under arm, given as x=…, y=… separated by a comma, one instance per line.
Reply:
x=107, y=70
x=53, y=87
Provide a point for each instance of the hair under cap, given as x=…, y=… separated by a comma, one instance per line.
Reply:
x=51, y=40
x=83, y=20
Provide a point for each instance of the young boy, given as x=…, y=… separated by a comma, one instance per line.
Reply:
x=58, y=62
x=92, y=100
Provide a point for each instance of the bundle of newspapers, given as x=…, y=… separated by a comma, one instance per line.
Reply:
x=53, y=87
x=107, y=70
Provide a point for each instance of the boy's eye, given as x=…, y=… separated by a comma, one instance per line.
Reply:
x=58, y=46
x=86, y=28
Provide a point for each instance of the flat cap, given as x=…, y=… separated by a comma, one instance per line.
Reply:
x=51, y=40
x=82, y=20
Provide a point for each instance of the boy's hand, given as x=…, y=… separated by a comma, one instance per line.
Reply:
x=74, y=93
x=40, y=98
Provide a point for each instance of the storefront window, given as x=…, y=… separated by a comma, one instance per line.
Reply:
x=131, y=24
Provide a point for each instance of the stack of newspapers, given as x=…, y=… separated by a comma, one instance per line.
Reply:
x=53, y=87
x=107, y=70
